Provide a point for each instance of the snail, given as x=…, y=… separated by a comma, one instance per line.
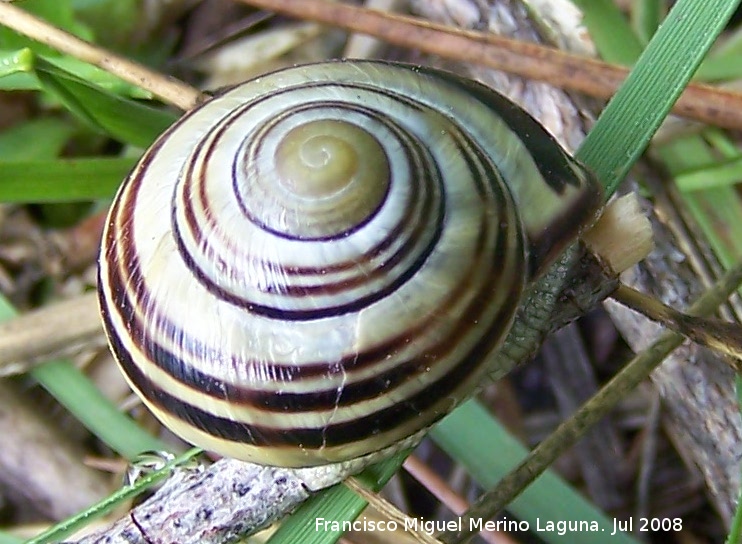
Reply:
x=316, y=265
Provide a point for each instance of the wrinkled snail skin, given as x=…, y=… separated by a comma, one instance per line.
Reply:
x=315, y=265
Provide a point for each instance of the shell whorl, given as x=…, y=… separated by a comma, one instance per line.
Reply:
x=318, y=263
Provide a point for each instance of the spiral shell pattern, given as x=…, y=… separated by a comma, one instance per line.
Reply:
x=318, y=263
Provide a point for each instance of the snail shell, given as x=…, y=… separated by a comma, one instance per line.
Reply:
x=317, y=264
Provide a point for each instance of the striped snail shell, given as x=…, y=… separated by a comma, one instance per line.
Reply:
x=318, y=263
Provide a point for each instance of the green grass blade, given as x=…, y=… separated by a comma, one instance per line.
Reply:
x=121, y=118
x=16, y=70
x=641, y=104
x=63, y=180
x=17, y=73
x=720, y=174
x=717, y=210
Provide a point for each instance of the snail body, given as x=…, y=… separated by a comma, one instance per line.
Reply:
x=317, y=264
